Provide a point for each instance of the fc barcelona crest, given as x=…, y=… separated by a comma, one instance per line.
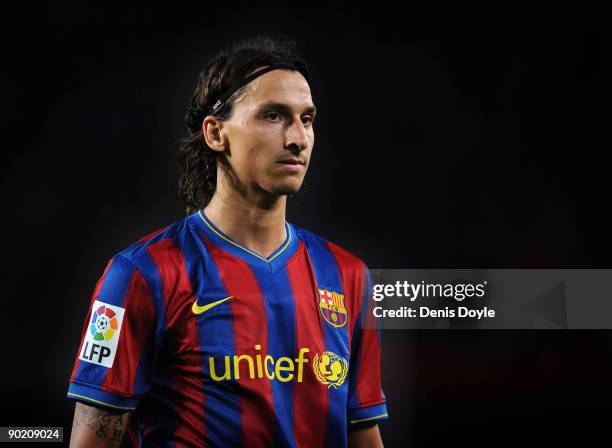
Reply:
x=332, y=307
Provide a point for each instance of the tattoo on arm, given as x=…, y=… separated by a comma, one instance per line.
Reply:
x=106, y=425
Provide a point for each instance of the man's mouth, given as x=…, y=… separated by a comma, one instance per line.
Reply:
x=292, y=166
x=293, y=162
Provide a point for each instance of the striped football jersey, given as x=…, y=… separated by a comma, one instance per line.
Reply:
x=210, y=344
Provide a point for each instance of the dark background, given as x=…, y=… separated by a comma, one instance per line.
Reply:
x=446, y=137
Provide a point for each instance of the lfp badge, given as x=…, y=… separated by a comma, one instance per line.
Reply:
x=100, y=344
x=332, y=307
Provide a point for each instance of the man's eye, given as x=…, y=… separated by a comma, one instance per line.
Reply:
x=307, y=119
x=273, y=115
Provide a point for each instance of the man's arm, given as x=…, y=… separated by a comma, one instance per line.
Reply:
x=97, y=428
x=365, y=438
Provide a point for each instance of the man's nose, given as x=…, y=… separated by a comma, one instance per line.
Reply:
x=296, y=136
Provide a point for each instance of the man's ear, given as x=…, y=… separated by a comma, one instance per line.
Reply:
x=214, y=135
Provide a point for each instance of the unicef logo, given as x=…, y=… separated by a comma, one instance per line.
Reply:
x=103, y=324
x=330, y=369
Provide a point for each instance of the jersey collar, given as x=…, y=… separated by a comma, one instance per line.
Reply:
x=221, y=240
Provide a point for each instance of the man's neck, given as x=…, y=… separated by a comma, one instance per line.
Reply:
x=256, y=224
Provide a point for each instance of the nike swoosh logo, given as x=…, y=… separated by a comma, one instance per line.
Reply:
x=200, y=309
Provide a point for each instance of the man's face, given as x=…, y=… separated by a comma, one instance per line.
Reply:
x=270, y=133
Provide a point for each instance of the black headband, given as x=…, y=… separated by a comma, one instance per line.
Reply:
x=223, y=98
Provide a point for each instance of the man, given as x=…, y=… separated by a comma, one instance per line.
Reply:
x=233, y=327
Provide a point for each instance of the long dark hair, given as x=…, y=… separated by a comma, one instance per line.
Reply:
x=198, y=163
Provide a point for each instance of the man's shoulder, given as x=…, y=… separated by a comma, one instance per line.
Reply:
x=158, y=244
x=341, y=255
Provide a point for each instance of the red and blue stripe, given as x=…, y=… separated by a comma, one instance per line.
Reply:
x=163, y=360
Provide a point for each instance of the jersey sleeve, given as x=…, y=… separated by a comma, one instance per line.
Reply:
x=116, y=356
x=366, y=399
